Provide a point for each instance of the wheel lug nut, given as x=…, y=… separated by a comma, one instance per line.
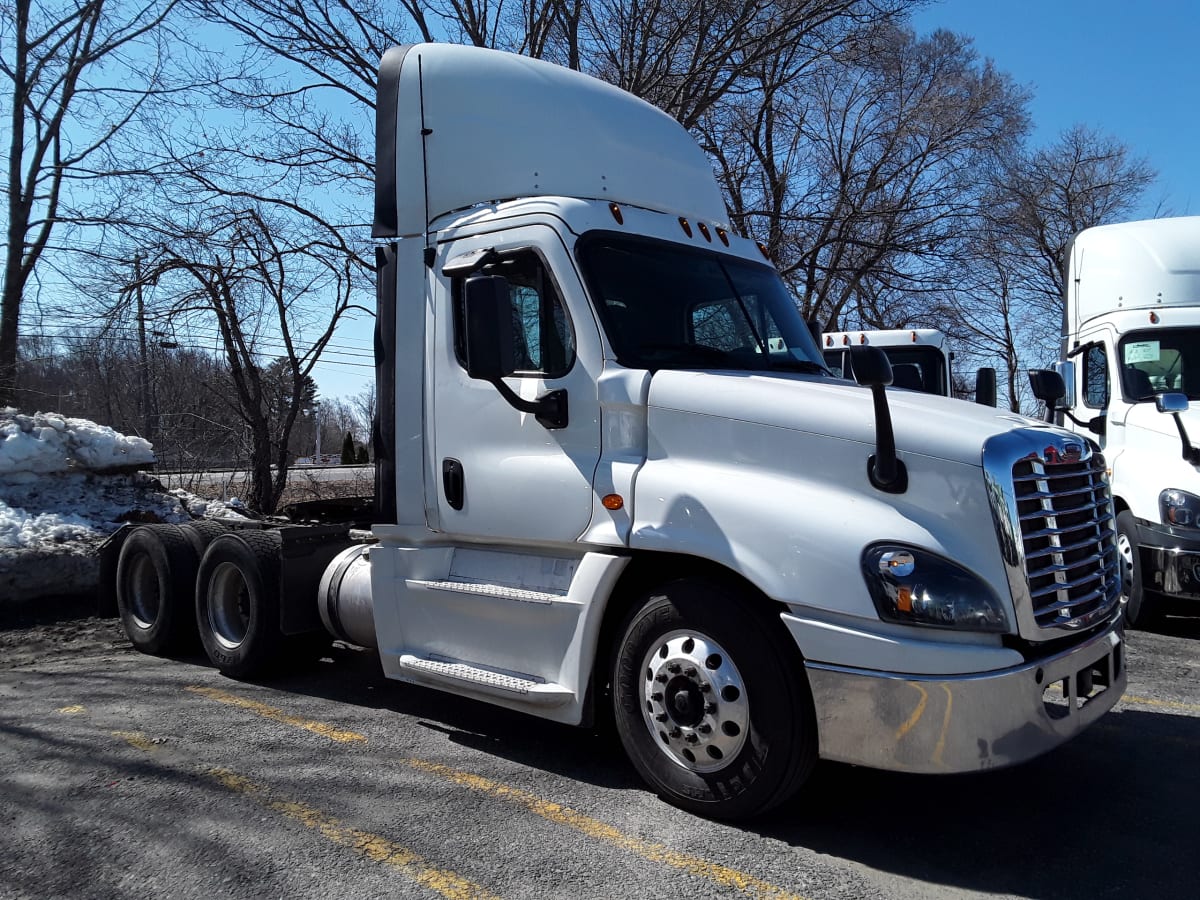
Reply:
x=674, y=668
x=710, y=708
x=692, y=738
x=656, y=696
x=690, y=671
x=705, y=688
x=661, y=717
x=704, y=728
x=675, y=732
x=661, y=678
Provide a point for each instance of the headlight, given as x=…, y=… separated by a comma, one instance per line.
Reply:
x=915, y=587
x=1179, y=508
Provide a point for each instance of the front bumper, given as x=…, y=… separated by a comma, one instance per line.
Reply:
x=1170, y=561
x=964, y=723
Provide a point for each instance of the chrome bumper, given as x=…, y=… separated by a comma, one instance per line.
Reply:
x=963, y=723
x=1172, y=571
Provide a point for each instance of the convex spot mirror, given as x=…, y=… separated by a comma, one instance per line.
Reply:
x=870, y=366
x=1171, y=403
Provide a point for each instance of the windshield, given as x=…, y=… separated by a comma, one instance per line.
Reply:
x=1165, y=360
x=667, y=306
x=916, y=367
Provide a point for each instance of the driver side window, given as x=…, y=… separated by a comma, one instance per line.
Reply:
x=1095, y=377
x=543, y=344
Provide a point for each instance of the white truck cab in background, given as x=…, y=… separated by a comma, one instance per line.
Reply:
x=921, y=360
x=1131, y=351
x=616, y=480
x=920, y=357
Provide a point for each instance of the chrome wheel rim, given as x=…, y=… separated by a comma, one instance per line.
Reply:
x=694, y=701
x=228, y=606
x=1125, y=549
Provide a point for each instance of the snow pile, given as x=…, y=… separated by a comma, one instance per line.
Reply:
x=60, y=498
x=43, y=443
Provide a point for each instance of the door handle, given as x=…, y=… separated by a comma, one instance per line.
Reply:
x=452, y=482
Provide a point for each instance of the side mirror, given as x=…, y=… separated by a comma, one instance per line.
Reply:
x=1067, y=370
x=1048, y=386
x=885, y=470
x=489, y=339
x=985, y=386
x=1171, y=403
x=870, y=366
x=489, y=336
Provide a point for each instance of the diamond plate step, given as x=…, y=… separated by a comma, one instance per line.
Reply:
x=489, y=590
x=442, y=672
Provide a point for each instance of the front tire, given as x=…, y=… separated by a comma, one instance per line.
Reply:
x=710, y=702
x=1140, y=610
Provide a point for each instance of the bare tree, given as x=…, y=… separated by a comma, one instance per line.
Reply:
x=251, y=273
x=73, y=87
x=1042, y=199
x=862, y=177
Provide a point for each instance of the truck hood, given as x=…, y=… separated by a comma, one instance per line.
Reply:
x=1146, y=415
x=938, y=427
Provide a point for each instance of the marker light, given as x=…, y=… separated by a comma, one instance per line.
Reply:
x=1153, y=318
x=723, y=236
x=914, y=337
x=687, y=229
x=613, y=501
x=762, y=248
x=616, y=213
x=862, y=338
x=704, y=231
x=828, y=341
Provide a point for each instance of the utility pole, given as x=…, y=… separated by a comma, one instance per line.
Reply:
x=143, y=370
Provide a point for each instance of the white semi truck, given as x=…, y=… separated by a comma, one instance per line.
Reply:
x=1131, y=368
x=921, y=359
x=617, y=481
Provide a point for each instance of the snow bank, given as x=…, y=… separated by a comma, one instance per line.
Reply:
x=44, y=442
x=65, y=485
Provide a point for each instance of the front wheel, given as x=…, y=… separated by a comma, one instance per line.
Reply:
x=711, y=704
x=1140, y=610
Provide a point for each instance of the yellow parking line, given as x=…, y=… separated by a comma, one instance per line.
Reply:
x=339, y=735
x=917, y=713
x=71, y=710
x=1163, y=704
x=547, y=809
x=372, y=846
x=562, y=815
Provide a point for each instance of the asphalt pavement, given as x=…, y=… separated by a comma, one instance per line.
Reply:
x=123, y=775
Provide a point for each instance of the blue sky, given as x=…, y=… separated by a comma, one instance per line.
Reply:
x=1128, y=68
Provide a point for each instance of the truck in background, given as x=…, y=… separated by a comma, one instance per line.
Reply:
x=1130, y=369
x=615, y=480
x=921, y=360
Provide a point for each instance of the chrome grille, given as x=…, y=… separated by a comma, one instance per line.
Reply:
x=1068, y=537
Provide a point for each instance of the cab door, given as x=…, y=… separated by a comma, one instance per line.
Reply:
x=498, y=472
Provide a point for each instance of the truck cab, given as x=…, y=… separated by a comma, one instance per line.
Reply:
x=1131, y=367
x=919, y=357
x=617, y=481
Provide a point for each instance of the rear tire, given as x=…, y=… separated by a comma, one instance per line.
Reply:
x=1141, y=609
x=710, y=703
x=203, y=532
x=156, y=578
x=237, y=603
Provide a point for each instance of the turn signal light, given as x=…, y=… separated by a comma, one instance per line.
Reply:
x=616, y=213
x=613, y=501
